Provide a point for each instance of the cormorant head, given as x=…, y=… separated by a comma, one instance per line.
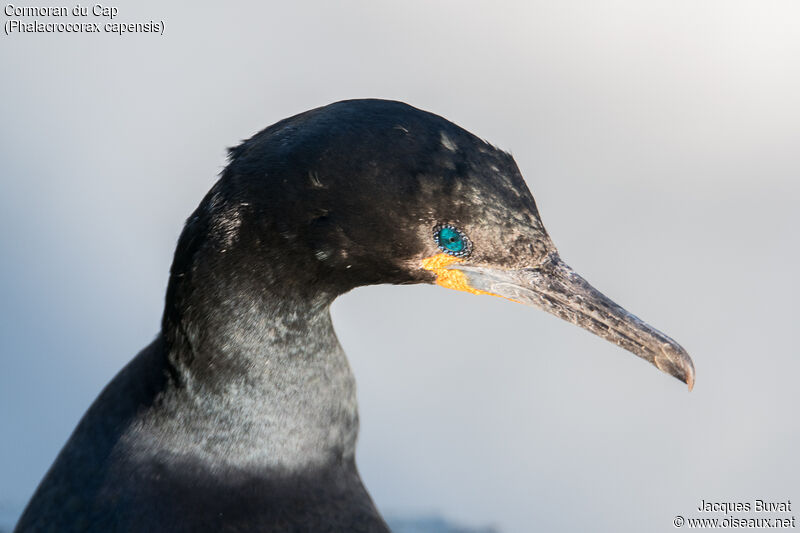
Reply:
x=369, y=191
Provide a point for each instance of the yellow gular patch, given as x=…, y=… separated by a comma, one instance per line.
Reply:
x=452, y=279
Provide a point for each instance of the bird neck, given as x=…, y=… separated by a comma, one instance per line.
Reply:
x=260, y=379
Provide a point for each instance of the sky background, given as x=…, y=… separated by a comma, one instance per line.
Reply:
x=661, y=141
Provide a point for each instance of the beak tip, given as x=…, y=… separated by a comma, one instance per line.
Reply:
x=690, y=379
x=687, y=367
x=675, y=361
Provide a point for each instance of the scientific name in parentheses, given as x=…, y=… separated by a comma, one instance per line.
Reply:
x=17, y=26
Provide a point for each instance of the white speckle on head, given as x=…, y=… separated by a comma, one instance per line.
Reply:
x=228, y=226
x=314, y=178
x=322, y=255
x=401, y=128
x=447, y=142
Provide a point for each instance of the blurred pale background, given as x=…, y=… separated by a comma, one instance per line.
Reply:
x=661, y=141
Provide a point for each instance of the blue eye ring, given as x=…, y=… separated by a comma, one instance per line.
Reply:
x=452, y=240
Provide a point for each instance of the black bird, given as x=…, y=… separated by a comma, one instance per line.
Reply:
x=241, y=415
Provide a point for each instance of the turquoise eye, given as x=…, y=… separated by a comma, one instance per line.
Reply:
x=451, y=240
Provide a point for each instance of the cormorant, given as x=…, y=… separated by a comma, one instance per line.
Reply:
x=241, y=415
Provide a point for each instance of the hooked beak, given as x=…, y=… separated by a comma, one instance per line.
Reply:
x=556, y=288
